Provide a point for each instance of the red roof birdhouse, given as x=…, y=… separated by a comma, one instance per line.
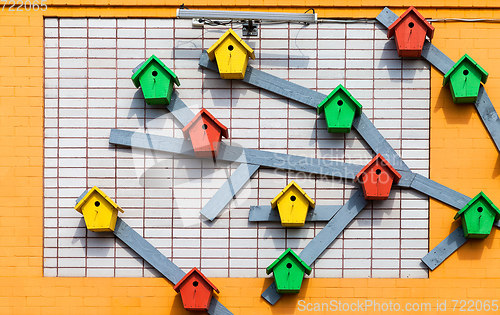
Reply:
x=206, y=134
x=409, y=32
x=196, y=291
x=377, y=178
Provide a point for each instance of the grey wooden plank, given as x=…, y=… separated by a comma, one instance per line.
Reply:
x=444, y=249
x=156, y=259
x=180, y=110
x=377, y=142
x=386, y=17
x=312, y=98
x=489, y=116
x=237, y=154
x=265, y=213
x=439, y=192
x=148, y=252
x=228, y=190
x=272, y=83
x=437, y=58
x=325, y=237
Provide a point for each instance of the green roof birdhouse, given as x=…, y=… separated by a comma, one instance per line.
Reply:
x=288, y=272
x=465, y=78
x=340, y=108
x=293, y=204
x=478, y=216
x=156, y=81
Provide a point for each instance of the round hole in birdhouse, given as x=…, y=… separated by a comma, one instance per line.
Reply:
x=466, y=72
x=204, y=126
x=155, y=73
x=293, y=198
x=289, y=265
x=340, y=102
x=480, y=209
x=378, y=171
x=411, y=25
x=97, y=203
x=230, y=47
x=195, y=283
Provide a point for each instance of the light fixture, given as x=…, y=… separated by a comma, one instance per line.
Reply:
x=247, y=16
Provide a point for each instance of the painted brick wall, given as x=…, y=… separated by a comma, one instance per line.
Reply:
x=462, y=157
x=88, y=91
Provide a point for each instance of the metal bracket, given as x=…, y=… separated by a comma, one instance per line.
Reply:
x=250, y=28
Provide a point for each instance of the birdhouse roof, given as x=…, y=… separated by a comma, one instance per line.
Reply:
x=274, y=202
x=392, y=28
x=81, y=201
x=339, y=89
x=379, y=156
x=194, y=270
x=229, y=32
x=484, y=74
x=473, y=200
x=297, y=258
x=137, y=74
x=223, y=128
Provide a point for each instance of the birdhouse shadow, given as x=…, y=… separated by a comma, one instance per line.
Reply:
x=473, y=248
x=455, y=114
x=288, y=302
x=178, y=307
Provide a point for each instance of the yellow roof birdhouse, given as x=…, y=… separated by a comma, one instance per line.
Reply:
x=231, y=54
x=99, y=211
x=293, y=204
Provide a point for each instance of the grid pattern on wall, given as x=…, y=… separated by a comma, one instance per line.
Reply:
x=88, y=91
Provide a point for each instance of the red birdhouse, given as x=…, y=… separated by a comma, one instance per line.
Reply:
x=409, y=31
x=377, y=178
x=196, y=291
x=206, y=134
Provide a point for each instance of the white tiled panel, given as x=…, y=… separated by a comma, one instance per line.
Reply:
x=88, y=91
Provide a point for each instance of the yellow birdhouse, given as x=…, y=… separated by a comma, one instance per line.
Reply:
x=293, y=204
x=99, y=211
x=231, y=54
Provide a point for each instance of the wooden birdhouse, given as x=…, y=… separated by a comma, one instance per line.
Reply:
x=293, y=204
x=99, y=211
x=340, y=108
x=156, y=81
x=206, y=133
x=465, y=78
x=478, y=216
x=231, y=54
x=196, y=291
x=288, y=272
x=409, y=32
x=376, y=178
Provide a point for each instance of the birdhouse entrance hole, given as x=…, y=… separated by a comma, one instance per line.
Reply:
x=411, y=25
x=378, y=171
x=289, y=265
x=230, y=47
x=293, y=198
x=97, y=203
x=155, y=73
x=195, y=283
x=204, y=126
x=466, y=72
x=480, y=209
x=340, y=102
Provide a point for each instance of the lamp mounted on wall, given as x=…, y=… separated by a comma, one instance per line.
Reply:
x=249, y=19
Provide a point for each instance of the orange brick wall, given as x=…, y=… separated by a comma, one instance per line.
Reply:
x=463, y=157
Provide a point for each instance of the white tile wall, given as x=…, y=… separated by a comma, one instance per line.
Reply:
x=88, y=90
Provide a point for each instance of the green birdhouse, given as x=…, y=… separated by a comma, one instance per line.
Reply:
x=156, y=81
x=340, y=108
x=288, y=272
x=465, y=78
x=478, y=216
